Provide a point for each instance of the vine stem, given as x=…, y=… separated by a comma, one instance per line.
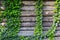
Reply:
x=38, y=31
x=51, y=32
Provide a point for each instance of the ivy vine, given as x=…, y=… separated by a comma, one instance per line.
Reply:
x=51, y=32
x=2, y=28
x=12, y=15
x=38, y=31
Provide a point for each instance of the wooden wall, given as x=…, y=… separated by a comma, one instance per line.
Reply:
x=28, y=18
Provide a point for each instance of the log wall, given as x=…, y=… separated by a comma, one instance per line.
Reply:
x=28, y=18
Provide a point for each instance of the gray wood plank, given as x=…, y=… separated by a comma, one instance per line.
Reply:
x=32, y=28
x=50, y=3
x=30, y=24
x=29, y=3
x=32, y=13
x=31, y=33
x=33, y=19
x=33, y=8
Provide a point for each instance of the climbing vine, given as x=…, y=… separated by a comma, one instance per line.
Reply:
x=56, y=16
x=38, y=31
x=12, y=15
x=2, y=28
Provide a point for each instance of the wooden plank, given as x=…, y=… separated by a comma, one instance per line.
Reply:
x=48, y=13
x=32, y=28
x=33, y=19
x=30, y=8
x=25, y=24
x=31, y=33
x=28, y=19
x=32, y=13
x=25, y=33
x=29, y=3
x=30, y=24
x=26, y=28
x=48, y=8
x=28, y=13
x=50, y=3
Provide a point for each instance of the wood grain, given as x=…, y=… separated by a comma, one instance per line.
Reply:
x=31, y=33
x=33, y=19
x=50, y=3
x=31, y=8
x=28, y=18
x=32, y=13
x=30, y=24
x=32, y=28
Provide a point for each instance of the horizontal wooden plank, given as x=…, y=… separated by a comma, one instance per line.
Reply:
x=30, y=24
x=50, y=3
x=31, y=33
x=32, y=28
x=24, y=24
x=28, y=19
x=28, y=13
x=33, y=19
x=33, y=8
x=48, y=13
x=29, y=3
x=28, y=8
x=32, y=13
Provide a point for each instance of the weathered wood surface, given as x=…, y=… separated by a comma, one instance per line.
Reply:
x=30, y=24
x=28, y=18
x=30, y=33
x=32, y=28
x=50, y=3
x=32, y=13
x=31, y=8
x=33, y=19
